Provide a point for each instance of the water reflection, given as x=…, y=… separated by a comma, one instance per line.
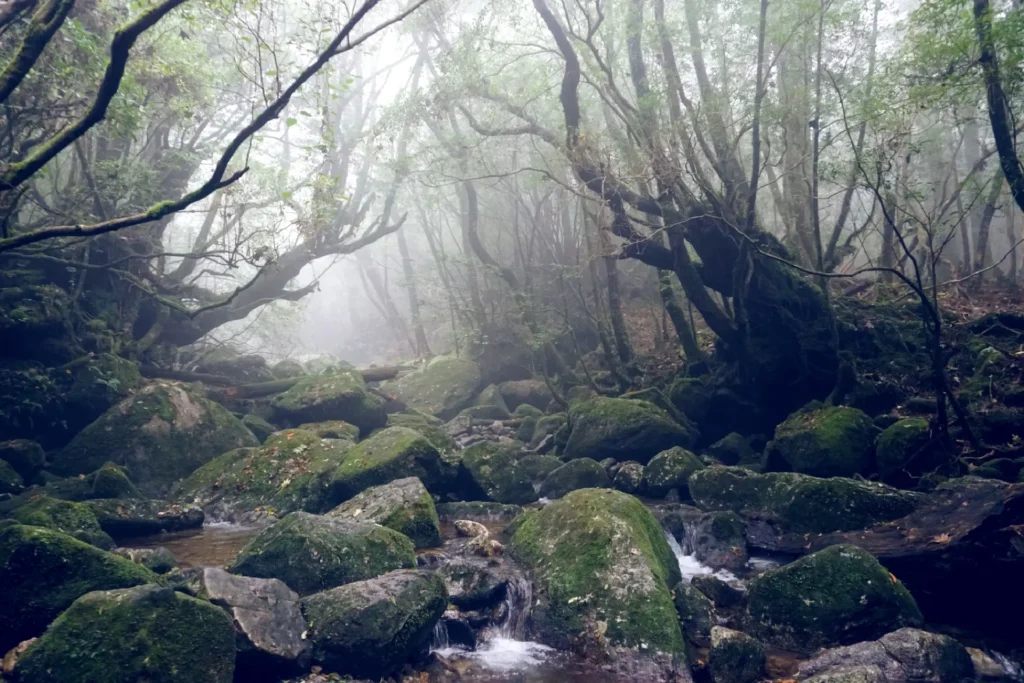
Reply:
x=214, y=545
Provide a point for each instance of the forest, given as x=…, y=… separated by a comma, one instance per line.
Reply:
x=526, y=341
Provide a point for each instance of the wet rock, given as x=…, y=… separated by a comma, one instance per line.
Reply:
x=582, y=473
x=161, y=434
x=443, y=387
x=74, y=519
x=403, y=505
x=159, y=560
x=719, y=540
x=24, y=457
x=718, y=591
x=905, y=451
x=800, y=503
x=373, y=627
x=460, y=631
x=538, y=467
x=696, y=613
x=600, y=560
x=43, y=571
x=339, y=395
x=489, y=472
x=628, y=476
x=473, y=585
x=833, y=441
x=670, y=469
x=735, y=657
x=393, y=453
x=477, y=510
x=528, y=392
x=904, y=656
x=311, y=553
x=732, y=449
x=123, y=517
x=146, y=633
x=836, y=596
x=260, y=428
x=623, y=429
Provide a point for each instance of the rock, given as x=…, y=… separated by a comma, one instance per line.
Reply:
x=525, y=410
x=837, y=596
x=109, y=481
x=623, y=429
x=161, y=434
x=735, y=657
x=311, y=553
x=43, y=571
x=147, y=633
x=393, y=453
x=696, y=613
x=340, y=395
x=547, y=426
x=459, y=631
x=904, y=656
x=74, y=519
x=904, y=451
x=159, y=560
x=372, y=628
x=833, y=441
x=732, y=449
x=491, y=396
x=428, y=427
x=403, y=505
x=32, y=406
x=721, y=594
x=485, y=413
x=719, y=540
x=260, y=428
x=24, y=456
x=123, y=517
x=527, y=426
x=269, y=625
x=525, y=392
x=472, y=585
x=243, y=368
x=97, y=385
x=332, y=429
x=582, y=473
x=287, y=369
x=538, y=467
x=798, y=502
x=670, y=469
x=629, y=477
x=599, y=559
x=476, y=510
x=10, y=481
x=488, y=472
x=443, y=387
x=291, y=471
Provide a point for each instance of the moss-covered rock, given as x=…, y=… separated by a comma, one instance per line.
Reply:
x=24, y=456
x=287, y=369
x=629, y=477
x=340, y=395
x=43, y=571
x=159, y=560
x=311, y=553
x=488, y=472
x=527, y=426
x=732, y=449
x=428, y=426
x=484, y=413
x=290, y=472
x=905, y=451
x=161, y=434
x=32, y=320
x=74, y=519
x=10, y=481
x=696, y=613
x=832, y=441
x=599, y=556
x=525, y=410
x=98, y=384
x=393, y=453
x=491, y=396
x=127, y=517
x=538, y=467
x=260, y=428
x=32, y=406
x=582, y=473
x=403, y=505
x=443, y=387
x=525, y=392
x=473, y=585
x=799, y=502
x=109, y=481
x=332, y=429
x=548, y=425
x=371, y=628
x=623, y=429
x=735, y=657
x=147, y=633
x=836, y=596
x=670, y=469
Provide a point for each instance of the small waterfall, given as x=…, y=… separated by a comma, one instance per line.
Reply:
x=439, y=638
x=690, y=566
x=518, y=599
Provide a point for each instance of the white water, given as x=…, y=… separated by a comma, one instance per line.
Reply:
x=1011, y=668
x=690, y=566
x=502, y=655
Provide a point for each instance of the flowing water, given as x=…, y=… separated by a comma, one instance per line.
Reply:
x=213, y=545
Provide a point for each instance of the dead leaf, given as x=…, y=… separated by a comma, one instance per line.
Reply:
x=941, y=538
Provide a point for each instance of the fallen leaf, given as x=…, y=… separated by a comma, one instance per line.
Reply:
x=941, y=538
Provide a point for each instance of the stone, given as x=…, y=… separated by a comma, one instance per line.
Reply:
x=720, y=593
x=833, y=441
x=629, y=477
x=443, y=387
x=525, y=410
x=489, y=472
x=109, y=481
x=525, y=392
x=735, y=657
x=696, y=613
x=287, y=369
x=428, y=427
x=242, y=368
x=10, y=481
x=624, y=429
x=74, y=519
x=836, y=596
x=147, y=633
x=124, y=518
x=260, y=428
x=732, y=449
x=372, y=628
x=582, y=473
x=392, y=453
x=478, y=510
x=159, y=560
x=332, y=429
x=403, y=505
x=339, y=395
x=98, y=384
x=670, y=469
x=547, y=426
x=473, y=585
x=25, y=457
x=491, y=396
x=719, y=540
x=537, y=467
x=905, y=451
x=312, y=553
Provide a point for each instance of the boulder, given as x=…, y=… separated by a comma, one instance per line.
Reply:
x=624, y=429
x=340, y=395
x=242, y=368
x=443, y=387
x=528, y=392
x=159, y=560
x=291, y=471
x=312, y=553
x=10, y=481
x=836, y=596
x=99, y=383
x=538, y=467
x=491, y=396
x=32, y=406
x=473, y=585
x=798, y=502
x=832, y=441
x=525, y=410
x=161, y=434
x=905, y=451
x=732, y=449
x=147, y=633
x=547, y=426
x=43, y=571
x=488, y=472
x=126, y=517
x=629, y=477
x=403, y=505
x=599, y=559
x=582, y=473
x=527, y=426
x=260, y=428
x=720, y=593
x=74, y=519
x=735, y=657
x=428, y=427
x=24, y=456
x=287, y=369
x=696, y=613
x=372, y=628
x=332, y=429
x=109, y=481
x=393, y=453
x=670, y=469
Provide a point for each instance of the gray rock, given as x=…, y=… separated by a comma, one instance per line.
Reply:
x=696, y=614
x=908, y=655
x=473, y=585
x=159, y=560
x=735, y=657
x=628, y=476
x=581, y=473
x=403, y=505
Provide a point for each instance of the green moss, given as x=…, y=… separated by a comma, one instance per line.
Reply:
x=312, y=553
x=735, y=657
x=74, y=519
x=332, y=429
x=669, y=470
x=340, y=395
x=834, y=441
x=489, y=472
x=428, y=426
x=598, y=555
x=99, y=384
x=387, y=455
x=124, y=517
x=538, y=467
x=526, y=428
x=43, y=571
x=549, y=424
x=696, y=613
x=623, y=429
x=403, y=505
x=444, y=387
x=24, y=456
x=902, y=450
x=581, y=473
x=109, y=481
x=288, y=368
x=526, y=410
x=10, y=481
x=144, y=634
x=260, y=428
x=837, y=596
